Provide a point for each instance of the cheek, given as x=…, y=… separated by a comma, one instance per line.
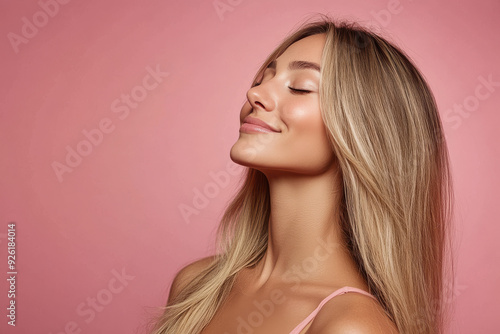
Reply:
x=307, y=134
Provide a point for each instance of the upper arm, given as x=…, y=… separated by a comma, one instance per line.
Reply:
x=186, y=275
x=353, y=314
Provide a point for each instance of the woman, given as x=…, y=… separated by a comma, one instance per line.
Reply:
x=341, y=223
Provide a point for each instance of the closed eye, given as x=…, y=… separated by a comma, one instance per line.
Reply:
x=294, y=90
x=299, y=91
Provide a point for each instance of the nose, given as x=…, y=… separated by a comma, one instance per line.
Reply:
x=262, y=97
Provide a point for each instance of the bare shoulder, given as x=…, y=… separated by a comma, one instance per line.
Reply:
x=352, y=313
x=186, y=274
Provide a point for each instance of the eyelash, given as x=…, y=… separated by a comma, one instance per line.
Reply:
x=294, y=90
x=299, y=91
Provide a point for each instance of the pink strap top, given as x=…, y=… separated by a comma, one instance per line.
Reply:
x=340, y=291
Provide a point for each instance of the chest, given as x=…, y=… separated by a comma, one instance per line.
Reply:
x=273, y=311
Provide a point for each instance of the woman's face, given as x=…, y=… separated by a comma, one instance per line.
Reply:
x=286, y=98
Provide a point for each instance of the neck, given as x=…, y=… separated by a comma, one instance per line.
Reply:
x=305, y=236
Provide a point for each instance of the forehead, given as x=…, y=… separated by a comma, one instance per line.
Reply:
x=308, y=49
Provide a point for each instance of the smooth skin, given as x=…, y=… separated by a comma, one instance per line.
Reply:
x=306, y=259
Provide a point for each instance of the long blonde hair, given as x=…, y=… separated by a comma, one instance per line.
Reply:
x=385, y=130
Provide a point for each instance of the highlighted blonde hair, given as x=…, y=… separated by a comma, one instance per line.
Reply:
x=384, y=127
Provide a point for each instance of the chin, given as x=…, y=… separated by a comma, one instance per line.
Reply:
x=242, y=157
x=247, y=157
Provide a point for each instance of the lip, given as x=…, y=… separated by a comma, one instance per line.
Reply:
x=252, y=124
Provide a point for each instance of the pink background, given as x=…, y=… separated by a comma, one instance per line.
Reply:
x=117, y=211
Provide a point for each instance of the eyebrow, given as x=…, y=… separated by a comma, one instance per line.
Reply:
x=298, y=65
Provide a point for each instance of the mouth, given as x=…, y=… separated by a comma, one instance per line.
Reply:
x=255, y=125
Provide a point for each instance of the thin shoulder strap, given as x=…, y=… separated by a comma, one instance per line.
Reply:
x=340, y=291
